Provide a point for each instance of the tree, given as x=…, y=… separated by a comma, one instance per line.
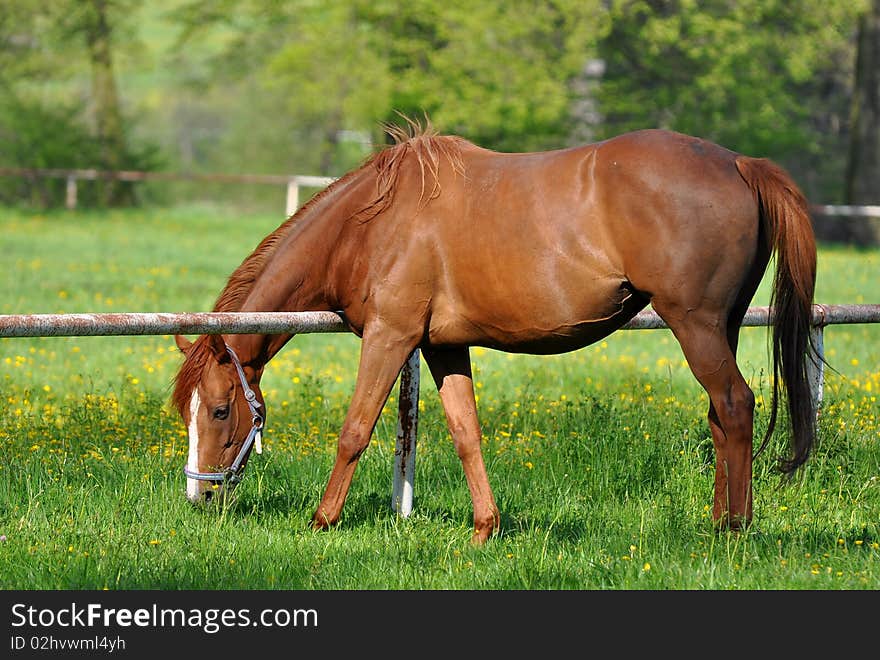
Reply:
x=305, y=95
x=498, y=73
x=765, y=77
x=303, y=86
x=43, y=121
x=863, y=172
x=96, y=29
x=36, y=130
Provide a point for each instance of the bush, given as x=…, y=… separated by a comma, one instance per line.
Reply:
x=36, y=135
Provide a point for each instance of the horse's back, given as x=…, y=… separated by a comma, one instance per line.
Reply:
x=552, y=250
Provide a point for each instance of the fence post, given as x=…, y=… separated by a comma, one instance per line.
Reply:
x=816, y=365
x=407, y=429
x=70, y=196
x=292, y=196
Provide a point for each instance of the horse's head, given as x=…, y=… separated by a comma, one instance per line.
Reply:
x=221, y=404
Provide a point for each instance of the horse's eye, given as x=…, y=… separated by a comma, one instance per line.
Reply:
x=221, y=413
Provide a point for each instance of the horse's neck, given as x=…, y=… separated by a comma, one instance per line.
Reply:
x=294, y=277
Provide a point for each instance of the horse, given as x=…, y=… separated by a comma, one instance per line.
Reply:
x=437, y=244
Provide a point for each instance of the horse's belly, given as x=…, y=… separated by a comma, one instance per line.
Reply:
x=545, y=321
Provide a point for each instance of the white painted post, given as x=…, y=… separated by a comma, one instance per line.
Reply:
x=292, y=196
x=70, y=198
x=816, y=366
x=407, y=429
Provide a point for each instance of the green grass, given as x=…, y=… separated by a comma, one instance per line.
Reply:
x=601, y=459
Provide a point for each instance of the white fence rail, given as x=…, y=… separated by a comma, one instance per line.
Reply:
x=116, y=324
x=293, y=182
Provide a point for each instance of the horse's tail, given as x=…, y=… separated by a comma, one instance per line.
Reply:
x=786, y=219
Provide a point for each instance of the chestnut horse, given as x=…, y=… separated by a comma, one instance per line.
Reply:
x=438, y=244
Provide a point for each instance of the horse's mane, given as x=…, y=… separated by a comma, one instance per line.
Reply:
x=422, y=141
x=427, y=146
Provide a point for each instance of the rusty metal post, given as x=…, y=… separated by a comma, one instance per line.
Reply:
x=407, y=429
x=816, y=366
x=816, y=359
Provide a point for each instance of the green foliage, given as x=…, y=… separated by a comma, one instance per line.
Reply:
x=304, y=87
x=32, y=135
x=35, y=135
x=46, y=123
x=767, y=78
x=498, y=73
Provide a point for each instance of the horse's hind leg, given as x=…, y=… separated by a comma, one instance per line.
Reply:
x=451, y=369
x=382, y=356
x=709, y=351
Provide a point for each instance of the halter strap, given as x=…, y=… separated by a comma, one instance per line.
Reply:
x=233, y=473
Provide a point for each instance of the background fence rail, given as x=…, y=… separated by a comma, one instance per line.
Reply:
x=115, y=324
x=293, y=183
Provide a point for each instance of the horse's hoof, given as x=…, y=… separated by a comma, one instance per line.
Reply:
x=728, y=523
x=479, y=538
x=482, y=534
x=320, y=522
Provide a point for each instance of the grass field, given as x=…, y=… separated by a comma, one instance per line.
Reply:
x=601, y=459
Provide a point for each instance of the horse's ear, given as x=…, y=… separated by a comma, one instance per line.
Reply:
x=218, y=347
x=183, y=343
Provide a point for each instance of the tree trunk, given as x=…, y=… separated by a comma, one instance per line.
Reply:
x=863, y=169
x=108, y=117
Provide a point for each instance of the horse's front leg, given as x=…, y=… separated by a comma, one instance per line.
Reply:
x=451, y=369
x=382, y=356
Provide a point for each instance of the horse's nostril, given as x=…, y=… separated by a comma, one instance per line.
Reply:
x=208, y=495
